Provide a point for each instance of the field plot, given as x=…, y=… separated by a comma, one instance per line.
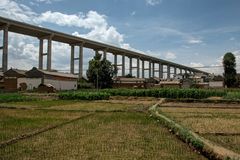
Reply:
x=14, y=122
x=115, y=133
x=218, y=123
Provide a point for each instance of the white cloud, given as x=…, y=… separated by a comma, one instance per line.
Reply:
x=47, y=1
x=13, y=10
x=25, y=49
x=91, y=20
x=232, y=39
x=170, y=55
x=23, y=52
x=194, y=64
x=153, y=2
x=100, y=30
x=133, y=13
x=237, y=55
x=194, y=41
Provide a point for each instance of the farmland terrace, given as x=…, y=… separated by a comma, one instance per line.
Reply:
x=110, y=129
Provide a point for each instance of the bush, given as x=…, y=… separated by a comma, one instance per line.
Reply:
x=166, y=93
x=233, y=95
x=84, y=96
x=13, y=97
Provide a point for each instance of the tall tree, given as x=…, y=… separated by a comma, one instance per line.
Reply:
x=229, y=63
x=100, y=72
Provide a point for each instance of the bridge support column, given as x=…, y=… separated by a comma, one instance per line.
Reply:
x=160, y=71
x=143, y=69
x=168, y=72
x=40, y=58
x=79, y=59
x=123, y=65
x=72, y=60
x=138, y=75
x=175, y=70
x=115, y=60
x=49, y=54
x=80, y=63
x=150, y=69
x=153, y=69
x=5, y=48
x=104, y=54
x=130, y=65
x=181, y=71
x=96, y=52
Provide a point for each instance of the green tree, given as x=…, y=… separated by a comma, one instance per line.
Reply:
x=100, y=72
x=229, y=64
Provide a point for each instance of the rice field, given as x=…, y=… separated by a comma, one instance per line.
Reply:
x=217, y=123
x=112, y=131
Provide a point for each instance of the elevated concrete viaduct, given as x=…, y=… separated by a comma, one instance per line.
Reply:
x=8, y=25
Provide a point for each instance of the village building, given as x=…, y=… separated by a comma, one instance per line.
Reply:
x=217, y=82
x=178, y=76
x=122, y=82
x=169, y=84
x=60, y=81
x=1, y=81
x=11, y=79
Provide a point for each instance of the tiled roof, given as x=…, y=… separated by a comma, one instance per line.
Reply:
x=59, y=74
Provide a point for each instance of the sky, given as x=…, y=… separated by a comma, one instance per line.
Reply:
x=194, y=33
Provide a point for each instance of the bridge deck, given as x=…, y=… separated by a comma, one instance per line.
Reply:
x=40, y=32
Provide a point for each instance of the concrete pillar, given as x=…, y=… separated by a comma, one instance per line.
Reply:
x=130, y=65
x=153, y=69
x=150, y=69
x=138, y=74
x=180, y=70
x=96, y=52
x=175, y=70
x=40, y=57
x=72, y=60
x=143, y=69
x=80, y=63
x=5, y=49
x=115, y=60
x=160, y=70
x=104, y=54
x=168, y=72
x=49, y=54
x=123, y=65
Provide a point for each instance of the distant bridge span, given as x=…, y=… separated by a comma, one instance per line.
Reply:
x=50, y=35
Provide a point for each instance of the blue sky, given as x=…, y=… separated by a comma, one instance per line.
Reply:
x=190, y=32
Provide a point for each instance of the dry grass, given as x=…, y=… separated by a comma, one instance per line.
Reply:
x=98, y=106
x=208, y=121
x=231, y=142
x=108, y=135
x=14, y=122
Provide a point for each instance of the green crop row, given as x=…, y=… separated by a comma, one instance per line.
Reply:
x=166, y=93
x=84, y=96
x=232, y=96
x=13, y=97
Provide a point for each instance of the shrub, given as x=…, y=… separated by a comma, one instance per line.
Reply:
x=13, y=97
x=84, y=96
x=233, y=95
x=166, y=93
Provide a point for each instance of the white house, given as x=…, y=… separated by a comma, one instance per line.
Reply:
x=60, y=81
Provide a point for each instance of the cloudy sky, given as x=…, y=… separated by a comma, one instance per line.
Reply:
x=191, y=32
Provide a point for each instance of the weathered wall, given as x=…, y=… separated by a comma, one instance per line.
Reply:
x=216, y=84
x=62, y=85
x=31, y=82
